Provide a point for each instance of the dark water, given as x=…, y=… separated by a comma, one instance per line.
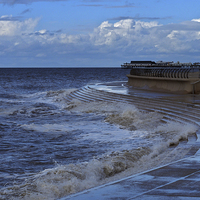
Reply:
x=20, y=95
x=42, y=136
x=26, y=99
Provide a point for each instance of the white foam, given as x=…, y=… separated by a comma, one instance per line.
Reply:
x=57, y=97
x=67, y=179
x=172, y=132
x=48, y=128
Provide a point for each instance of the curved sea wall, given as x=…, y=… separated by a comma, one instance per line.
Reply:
x=180, y=85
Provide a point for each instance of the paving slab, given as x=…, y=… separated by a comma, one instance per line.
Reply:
x=177, y=180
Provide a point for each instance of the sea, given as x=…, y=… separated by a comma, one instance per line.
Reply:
x=51, y=147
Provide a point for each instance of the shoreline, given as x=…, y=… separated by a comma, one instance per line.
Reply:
x=172, y=106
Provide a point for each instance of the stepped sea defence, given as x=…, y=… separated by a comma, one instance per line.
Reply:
x=64, y=131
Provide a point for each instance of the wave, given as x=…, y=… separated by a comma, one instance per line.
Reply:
x=133, y=119
x=40, y=103
x=154, y=150
x=67, y=179
x=127, y=116
x=52, y=128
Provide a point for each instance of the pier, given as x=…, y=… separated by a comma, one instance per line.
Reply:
x=165, y=76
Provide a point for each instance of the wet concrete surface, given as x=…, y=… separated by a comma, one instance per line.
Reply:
x=124, y=88
x=179, y=180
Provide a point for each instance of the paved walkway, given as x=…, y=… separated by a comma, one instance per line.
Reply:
x=178, y=180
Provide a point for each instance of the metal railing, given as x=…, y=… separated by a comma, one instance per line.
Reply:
x=183, y=73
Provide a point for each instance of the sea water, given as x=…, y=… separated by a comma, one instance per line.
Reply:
x=51, y=147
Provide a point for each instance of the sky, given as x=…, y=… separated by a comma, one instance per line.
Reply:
x=97, y=33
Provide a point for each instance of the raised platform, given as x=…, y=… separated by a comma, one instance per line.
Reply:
x=178, y=79
x=180, y=85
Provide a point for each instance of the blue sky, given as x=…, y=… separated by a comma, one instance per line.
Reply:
x=97, y=33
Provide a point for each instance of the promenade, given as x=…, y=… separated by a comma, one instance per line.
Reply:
x=176, y=180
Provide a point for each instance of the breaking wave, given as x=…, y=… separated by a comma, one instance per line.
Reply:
x=63, y=180
x=67, y=179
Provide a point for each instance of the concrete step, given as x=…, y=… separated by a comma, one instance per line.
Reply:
x=176, y=180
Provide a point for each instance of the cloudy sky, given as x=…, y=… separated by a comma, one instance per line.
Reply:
x=97, y=33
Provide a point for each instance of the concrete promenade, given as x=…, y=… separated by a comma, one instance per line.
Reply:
x=178, y=180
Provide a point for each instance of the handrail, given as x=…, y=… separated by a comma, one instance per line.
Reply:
x=163, y=72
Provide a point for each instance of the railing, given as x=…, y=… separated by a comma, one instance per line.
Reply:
x=183, y=73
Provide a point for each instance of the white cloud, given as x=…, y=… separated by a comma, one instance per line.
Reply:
x=13, y=28
x=125, y=38
x=195, y=20
x=127, y=23
x=125, y=33
x=146, y=25
x=41, y=55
